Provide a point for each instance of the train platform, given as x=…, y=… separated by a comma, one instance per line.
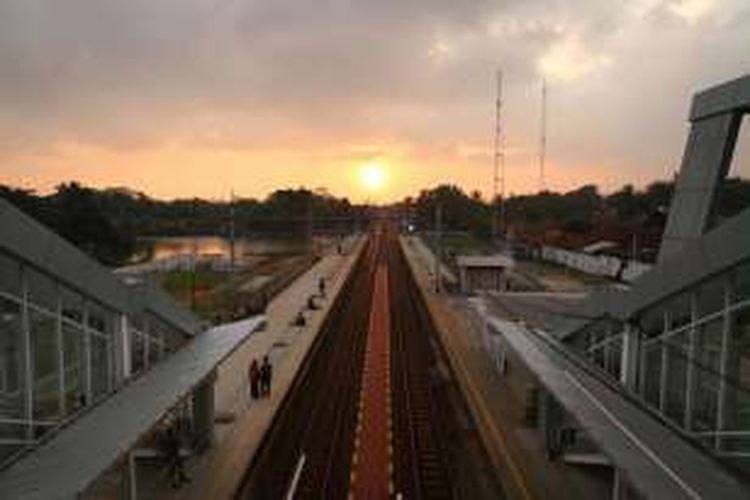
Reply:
x=525, y=474
x=242, y=421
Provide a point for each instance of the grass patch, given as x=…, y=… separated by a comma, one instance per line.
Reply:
x=176, y=281
x=457, y=243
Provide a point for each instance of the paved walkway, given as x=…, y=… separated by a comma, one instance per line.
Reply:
x=243, y=421
x=371, y=475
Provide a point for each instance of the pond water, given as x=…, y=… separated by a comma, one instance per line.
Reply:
x=157, y=248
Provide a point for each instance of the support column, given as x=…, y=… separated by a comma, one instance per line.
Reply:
x=129, y=478
x=708, y=154
x=203, y=413
x=617, y=493
x=123, y=357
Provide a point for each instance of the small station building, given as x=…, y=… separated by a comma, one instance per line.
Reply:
x=483, y=272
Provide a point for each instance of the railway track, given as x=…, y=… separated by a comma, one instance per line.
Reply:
x=310, y=447
x=420, y=469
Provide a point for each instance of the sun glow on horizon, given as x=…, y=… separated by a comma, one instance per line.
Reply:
x=373, y=175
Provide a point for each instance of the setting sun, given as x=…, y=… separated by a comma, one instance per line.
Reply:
x=372, y=175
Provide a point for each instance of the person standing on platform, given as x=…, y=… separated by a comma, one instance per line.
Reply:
x=255, y=376
x=322, y=286
x=266, y=374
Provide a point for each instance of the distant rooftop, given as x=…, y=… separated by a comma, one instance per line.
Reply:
x=497, y=260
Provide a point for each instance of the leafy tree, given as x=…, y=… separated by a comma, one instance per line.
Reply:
x=79, y=219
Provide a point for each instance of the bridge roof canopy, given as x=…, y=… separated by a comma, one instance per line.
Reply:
x=656, y=458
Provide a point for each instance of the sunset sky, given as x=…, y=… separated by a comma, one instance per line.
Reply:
x=372, y=100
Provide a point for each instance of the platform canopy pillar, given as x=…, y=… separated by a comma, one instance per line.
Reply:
x=203, y=412
x=129, y=490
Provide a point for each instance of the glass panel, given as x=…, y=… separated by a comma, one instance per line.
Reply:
x=11, y=361
x=100, y=318
x=711, y=296
x=653, y=374
x=679, y=311
x=44, y=355
x=137, y=322
x=597, y=355
x=580, y=341
x=742, y=282
x=75, y=372
x=137, y=352
x=738, y=377
x=173, y=340
x=652, y=322
x=677, y=363
x=707, y=376
x=154, y=350
x=614, y=357
x=42, y=290
x=160, y=329
x=72, y=304
x=99, y=366
x=10, y=275
x=7, y=451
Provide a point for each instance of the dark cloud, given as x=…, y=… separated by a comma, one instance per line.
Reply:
x=235, y=74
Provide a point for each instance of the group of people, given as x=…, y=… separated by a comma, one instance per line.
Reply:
x=260, y=378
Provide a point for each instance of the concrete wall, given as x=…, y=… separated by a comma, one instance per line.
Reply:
x=599, y=265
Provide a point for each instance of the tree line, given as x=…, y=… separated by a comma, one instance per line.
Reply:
x=572, y=218
x=107, y=222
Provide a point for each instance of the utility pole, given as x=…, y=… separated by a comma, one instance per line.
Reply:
x=193, y=258
x=498, y=163
x=439, y=249
x=232, y=235
x=543, y=137
x=310, y=222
